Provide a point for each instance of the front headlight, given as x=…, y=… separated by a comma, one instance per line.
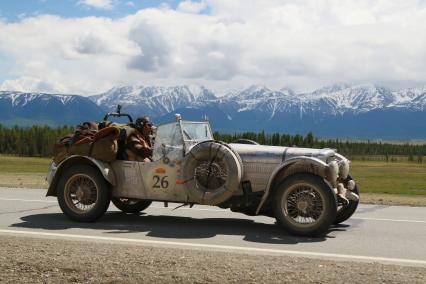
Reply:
x=332, y=172
x=343, y=169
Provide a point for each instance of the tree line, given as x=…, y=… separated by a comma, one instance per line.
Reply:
x=35, y=141
x=38, y=141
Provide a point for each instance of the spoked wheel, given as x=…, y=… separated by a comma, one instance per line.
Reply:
x=345, y=212
x=211, y=175
x=131, y=205
x=305, y=205
x=83, y=193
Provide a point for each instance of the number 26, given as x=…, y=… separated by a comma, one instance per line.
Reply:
x=160, y=182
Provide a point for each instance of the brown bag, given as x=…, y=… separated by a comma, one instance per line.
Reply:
x=105, y=147
x=101, y=145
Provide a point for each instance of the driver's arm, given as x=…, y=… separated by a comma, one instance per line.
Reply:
x=139, y=147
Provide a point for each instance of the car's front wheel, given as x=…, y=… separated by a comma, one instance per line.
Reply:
x=304, y=205
x=130, y=205
x=83, y=193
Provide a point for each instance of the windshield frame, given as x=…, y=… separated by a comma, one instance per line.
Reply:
x=185, y=134
x=187, y=143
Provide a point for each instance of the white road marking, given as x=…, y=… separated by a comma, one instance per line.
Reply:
x=224, y=247
x=219, y=210
x=390, y=220
x=29, y=200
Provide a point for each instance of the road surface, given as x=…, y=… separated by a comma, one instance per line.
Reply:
x=376, y=233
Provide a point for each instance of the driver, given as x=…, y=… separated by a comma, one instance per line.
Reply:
x=139, y=146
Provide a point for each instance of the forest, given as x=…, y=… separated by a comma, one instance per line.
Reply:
x=38, y=141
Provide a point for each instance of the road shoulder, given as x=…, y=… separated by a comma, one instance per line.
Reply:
x=36, y=260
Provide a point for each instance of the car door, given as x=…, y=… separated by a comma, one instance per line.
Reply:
x=161, y=176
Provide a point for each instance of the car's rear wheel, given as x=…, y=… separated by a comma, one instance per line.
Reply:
x=131, y=205
x=304, y=205
x=83, y=193
x=345, y=212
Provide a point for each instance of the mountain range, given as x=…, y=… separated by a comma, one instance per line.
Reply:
x=340, y=110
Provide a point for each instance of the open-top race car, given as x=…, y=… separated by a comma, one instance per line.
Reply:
x=306, y=190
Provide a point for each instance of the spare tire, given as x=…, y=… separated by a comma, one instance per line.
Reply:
x=212, y=172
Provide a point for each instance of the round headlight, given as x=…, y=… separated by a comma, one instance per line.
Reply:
x=343, y=169
x=332, y=172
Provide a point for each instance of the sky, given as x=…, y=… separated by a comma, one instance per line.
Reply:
x=89, y=46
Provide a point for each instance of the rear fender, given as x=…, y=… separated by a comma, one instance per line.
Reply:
x=291, y=166
x=56, y=172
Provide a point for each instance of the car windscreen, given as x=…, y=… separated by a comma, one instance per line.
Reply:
x=196, y=131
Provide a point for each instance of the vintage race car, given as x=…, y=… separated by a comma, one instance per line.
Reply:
x=306, y=190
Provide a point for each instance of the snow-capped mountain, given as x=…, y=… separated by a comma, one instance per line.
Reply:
x=340, y=110
x=153, y=101
x=38, y=108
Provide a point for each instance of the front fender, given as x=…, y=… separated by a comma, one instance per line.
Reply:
x=307, y=164
x=55, y=172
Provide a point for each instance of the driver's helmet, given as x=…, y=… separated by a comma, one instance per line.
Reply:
x=142, y=121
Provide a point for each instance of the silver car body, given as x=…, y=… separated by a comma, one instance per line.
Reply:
x=161, y=179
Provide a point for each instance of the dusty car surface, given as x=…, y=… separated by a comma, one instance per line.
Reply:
x=306, y=190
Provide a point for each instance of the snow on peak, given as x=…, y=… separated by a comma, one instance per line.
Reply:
x=19, y=99
x=153, y=100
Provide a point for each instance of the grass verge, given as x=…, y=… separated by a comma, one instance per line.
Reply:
x=23, y=171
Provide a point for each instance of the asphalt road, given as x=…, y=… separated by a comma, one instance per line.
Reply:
x=376, y=233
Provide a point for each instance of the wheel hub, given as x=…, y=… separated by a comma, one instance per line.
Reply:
x=79, y=194
x=302, y=205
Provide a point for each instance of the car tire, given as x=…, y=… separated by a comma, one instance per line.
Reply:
x=83, y=193
x=304, y=197
x=132, y=206
x=345, y=212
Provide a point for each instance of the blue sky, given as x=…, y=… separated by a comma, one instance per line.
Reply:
x=88, y=46
x=13, y=10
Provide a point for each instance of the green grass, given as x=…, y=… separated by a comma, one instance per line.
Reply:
x=12, y=164
x=23, y=171
x=395, y=178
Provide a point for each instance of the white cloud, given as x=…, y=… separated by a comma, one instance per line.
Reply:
x=28, y=84
x=301, y=44
x=189, y=6
x=98, y=4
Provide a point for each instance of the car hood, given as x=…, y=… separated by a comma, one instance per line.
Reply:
x=275, y=154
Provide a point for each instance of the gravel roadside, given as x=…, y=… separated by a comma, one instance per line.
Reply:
x=27, y=259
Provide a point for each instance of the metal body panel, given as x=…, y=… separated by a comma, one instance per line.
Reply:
x=259, y=153
x=56, y=170
x=321, y=154
x=258, y=174
x=149, y=180
x=261, y=162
